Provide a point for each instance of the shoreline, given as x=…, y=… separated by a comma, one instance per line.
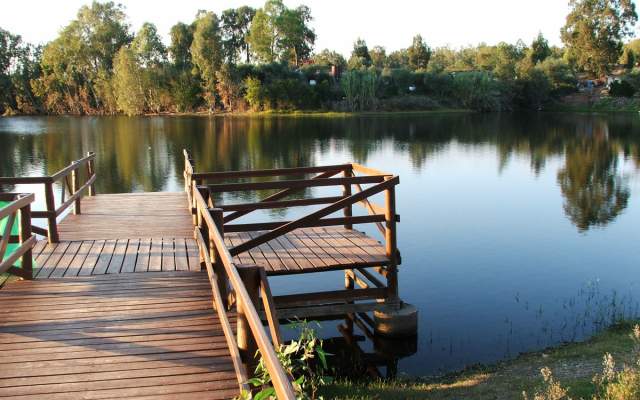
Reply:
x=573, y=364
x=348, y=114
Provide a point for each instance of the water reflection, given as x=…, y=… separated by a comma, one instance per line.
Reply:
x=494, y=208
x=595, y=193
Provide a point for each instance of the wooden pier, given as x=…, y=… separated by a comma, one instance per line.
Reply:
x=163, y=295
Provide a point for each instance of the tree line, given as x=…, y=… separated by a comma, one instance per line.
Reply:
x=264, y=59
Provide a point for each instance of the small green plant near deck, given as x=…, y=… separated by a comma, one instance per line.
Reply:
x=304, y=359
x=612, y=384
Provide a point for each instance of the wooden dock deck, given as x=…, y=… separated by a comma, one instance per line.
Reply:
x=142, y=336
x=128, y=296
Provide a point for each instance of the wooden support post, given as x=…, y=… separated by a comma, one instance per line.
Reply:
x=51, y=213
x=346, y=192
x=90, y=172
x=218, y=267
x=391, y=246
x=250, y=276
x=75, y=185
x=25, y=234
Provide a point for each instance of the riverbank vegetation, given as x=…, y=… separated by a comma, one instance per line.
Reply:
x=604, y=367
x=248, y=59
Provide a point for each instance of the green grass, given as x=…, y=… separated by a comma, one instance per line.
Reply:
x=335, y=114
x=604, y=105
x=573, y=365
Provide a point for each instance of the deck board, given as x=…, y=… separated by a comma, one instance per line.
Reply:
x=113, y=336
x=311, y=250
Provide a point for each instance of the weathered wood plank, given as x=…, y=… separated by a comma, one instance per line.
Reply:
x=122, y=340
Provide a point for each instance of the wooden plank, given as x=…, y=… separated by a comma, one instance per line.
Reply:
x=181, y=260
x=117, y=259
x=105, y=257
x=92, y=258
x=144, y=252
x=130, y=258
x=168, y=255
x=65, y=260
x=292, y=184
x=266, y=258
x=155, y=255
x=269, y=172
x=50, y=264
x=193, y=254
x=80, y=258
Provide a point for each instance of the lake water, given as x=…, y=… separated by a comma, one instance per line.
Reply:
x=518, y=231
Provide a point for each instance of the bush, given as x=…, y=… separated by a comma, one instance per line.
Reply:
x=621, y=89
x=360, y=89
x=477, y=91
x=408, y=103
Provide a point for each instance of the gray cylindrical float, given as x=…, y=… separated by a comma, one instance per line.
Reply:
x=397, y=323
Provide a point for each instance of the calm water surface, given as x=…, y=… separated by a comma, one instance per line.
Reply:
x=518, y=231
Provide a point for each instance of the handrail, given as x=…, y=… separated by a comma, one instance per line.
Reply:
x=73, y=186
x=19, y=203
x=241, y=371
x=280, y=379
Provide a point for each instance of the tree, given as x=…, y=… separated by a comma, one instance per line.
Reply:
x=378, y=57
x=77, y=65
x=148, y=46
x=295, y=38
x=180, y=48
x=128, y=84
x=235, y=25
x=280, y=33
x=539, y=49
x=594, y=31
x=419, y=53
x=328, y=57
x=9, y=52
x=263, y=35
x=206, y=51
x=360, y=57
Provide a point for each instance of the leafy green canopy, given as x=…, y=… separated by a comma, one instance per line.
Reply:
x=594, y=32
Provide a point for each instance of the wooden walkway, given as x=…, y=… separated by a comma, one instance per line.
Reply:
x=129, y=215
x=101, y=332
x=143, y=336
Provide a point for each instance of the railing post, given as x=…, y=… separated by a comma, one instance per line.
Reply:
x=346, y=192
x=75, y=185
x=391, y=246
x=250, y=276
x=51, y=213
x=90, y=172
x=25, y=234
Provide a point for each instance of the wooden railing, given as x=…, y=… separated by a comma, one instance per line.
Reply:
x=353, y=177
x=18, y=209
x=247, y=283
x=70, y=177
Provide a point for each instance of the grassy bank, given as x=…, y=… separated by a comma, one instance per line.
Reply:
x=574, y=365
x=603, y=105
x=335, y=114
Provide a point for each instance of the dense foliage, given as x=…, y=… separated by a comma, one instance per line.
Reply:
x=263, y=59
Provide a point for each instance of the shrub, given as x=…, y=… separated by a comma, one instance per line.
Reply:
x=477, y=91
x=253, y=93
x=360, y=89
x=621, y=89
x=304, y=359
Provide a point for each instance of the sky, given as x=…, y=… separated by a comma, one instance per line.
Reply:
x=337, y=23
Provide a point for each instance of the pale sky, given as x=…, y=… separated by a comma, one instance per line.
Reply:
x=337, y=23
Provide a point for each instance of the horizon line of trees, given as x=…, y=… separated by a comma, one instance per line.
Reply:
x=247, y=58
